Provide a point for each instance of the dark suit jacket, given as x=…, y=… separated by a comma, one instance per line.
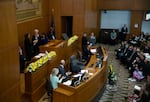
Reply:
x=28, y=48
x=39, y=40
x=62, y=71
x=124, y=30
x=36, y=46
x=51, y=35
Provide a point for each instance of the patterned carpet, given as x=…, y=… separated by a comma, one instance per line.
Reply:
x=123, y=87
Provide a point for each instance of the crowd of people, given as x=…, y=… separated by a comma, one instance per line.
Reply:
x=133, y=54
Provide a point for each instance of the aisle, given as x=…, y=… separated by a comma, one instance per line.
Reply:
x=124, y=87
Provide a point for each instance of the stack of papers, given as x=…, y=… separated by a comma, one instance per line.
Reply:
x=77, y=75
x=68, y=83
x=40, y=55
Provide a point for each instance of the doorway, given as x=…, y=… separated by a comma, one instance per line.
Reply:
x=66, y=25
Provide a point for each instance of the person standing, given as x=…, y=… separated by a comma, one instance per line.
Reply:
x=36, y=39
x=92, y=39
x=28, y=47
x=54, y=78
x=113, y=36
x=21, y=60
x=85, y=44
x=124, y=31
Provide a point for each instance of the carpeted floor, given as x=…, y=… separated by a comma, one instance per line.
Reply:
x=123, y=87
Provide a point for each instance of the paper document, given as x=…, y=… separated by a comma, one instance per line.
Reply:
x=68, y=83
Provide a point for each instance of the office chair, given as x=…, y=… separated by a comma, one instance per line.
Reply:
x=75, y=65
x=49, y=90
x=80, y=55
x=65, y=36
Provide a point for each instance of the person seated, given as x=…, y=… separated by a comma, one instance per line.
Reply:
x=75, y=65
x=51, y=34
x=62, y=70
x=54, y=78
x=92, y=39
x=146, y=49
x=135, y=97
x=44, y=39
x=145, y=93
x=121, y=50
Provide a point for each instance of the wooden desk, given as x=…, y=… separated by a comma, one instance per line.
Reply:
x=52, y=45
x=35, y=84
x=87, y=90
x=35, y=81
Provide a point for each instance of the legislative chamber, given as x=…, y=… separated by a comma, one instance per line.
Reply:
x=96, y=73
x=24, y=80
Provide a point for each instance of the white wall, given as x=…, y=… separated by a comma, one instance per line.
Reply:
x=115, y=19
x=146, y=27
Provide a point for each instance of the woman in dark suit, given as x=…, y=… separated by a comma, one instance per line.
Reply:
x=28, y=47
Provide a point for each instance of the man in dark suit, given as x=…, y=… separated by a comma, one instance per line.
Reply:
x=62, y=70
x=124, y=31
x=36, y=40
x=51, y=34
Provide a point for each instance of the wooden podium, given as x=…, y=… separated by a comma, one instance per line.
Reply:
x=87, y=90
x=35, y=84
x=35, y=81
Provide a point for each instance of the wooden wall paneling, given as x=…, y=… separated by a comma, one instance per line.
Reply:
x=78, y=24
x=141, y=4
x=9, y=59
x=78, y=7
x=91, y=17
x=45, y=7
x=66, y=7
x=136, y=18
x=117, y=4
x=78, y=18
x=124, y=4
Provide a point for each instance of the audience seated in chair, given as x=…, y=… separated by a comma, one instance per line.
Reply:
x=75, y=65
x=62, y=71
